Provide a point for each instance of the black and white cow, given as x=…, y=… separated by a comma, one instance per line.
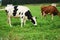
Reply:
x=22, y=12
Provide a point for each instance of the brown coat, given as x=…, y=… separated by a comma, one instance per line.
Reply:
x=49, y=9
x=52, y=10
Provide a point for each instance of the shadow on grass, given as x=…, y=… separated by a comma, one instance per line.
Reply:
x=16, y=23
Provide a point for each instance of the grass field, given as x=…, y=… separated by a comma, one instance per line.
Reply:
x=46, y=29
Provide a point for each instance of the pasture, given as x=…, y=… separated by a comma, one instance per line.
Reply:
x=46, y=28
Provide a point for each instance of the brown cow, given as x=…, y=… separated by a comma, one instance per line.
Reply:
x=52, y=10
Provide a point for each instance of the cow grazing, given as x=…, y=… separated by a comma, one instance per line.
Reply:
x=22, y=12
x=52, y=10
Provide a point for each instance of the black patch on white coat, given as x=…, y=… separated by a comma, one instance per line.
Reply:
x=29, y=16
x=19, y=13
x=22, y=17
x=6, y=11
x=15, y=10
x=22, y=14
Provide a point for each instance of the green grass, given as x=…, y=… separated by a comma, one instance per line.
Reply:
x=46, y=29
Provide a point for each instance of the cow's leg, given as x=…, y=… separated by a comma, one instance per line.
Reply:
x=9, y=21
x=44, y=14
x=41, y=14
x=52, y=16
x=22, y=22
x=25, y=18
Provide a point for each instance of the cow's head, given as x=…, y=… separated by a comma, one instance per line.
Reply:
x=34, y=21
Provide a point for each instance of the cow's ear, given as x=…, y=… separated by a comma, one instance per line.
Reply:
x=35, y=17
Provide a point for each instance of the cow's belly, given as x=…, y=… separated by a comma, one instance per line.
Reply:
x=14, y=16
